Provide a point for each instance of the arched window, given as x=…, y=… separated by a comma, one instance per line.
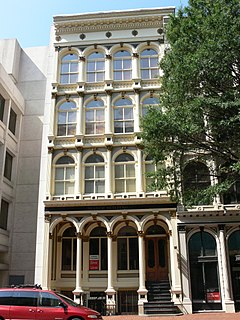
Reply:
x=149, y=64
x=94, y=117
x=196, y=177
x=69, y=247
x=125, y=180
x=95, y=67
x=94, y=174
x=69, y=69
x=64, y=176
x=98, y=249
x=122, y=65
x=151, y=101
x=67, y=119
x=204, y=269
x=123, y=116
x=127, y=243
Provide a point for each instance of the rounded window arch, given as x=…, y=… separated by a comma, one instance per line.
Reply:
x=123, y=116
x=69, y=248
x=155, y=230
x=127, y=246
x=149, y=64
x=94, y=174
x=122, y=65
x=64, y=176
x=125, y=180
x=149, y=102
x=69, y=68
x=67, y=118
x=95, y=67
x=202, y=244
x=196, y=177
x=95, y=117
x=98, y=249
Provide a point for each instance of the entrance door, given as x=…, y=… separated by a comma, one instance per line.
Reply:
x=156, y=263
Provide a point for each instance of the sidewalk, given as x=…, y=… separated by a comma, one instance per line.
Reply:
x=195, y=316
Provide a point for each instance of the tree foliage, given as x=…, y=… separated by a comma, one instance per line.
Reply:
x=199, y=109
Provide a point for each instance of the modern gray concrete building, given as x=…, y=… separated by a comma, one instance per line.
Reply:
x=80, y=201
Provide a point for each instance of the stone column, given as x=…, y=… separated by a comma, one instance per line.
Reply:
x=78, y=175
x=108, y=114
x=110, y=292
x=135, y=73
x=108, y=180
x=183, y=257
x=142, y=291
x=78, y=290
x=137, y=112
x=226, y=295
x=139, y=171
x=108, y=61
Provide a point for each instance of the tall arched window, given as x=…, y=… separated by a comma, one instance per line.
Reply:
x=125, y=180
x=95, y=67
x=66, y=125
x=122, y=65
x=204, y=271
x=150, y=101
x=94, y=174
x=69, y=69
x=196, y=177
x=127, y=243
x=149, y=64
x=64, y=176
x=232, y=195
x=123, y=116
x=69, y=247
x=94, y=117
x=98, y=249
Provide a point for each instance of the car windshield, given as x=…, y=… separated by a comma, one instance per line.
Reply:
x=67, y=300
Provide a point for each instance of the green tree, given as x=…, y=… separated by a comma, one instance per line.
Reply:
x=199, y=109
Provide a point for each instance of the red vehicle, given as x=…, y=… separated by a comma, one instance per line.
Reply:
x=34, y=303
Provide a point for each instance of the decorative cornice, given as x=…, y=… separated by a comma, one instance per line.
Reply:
x=109, y=21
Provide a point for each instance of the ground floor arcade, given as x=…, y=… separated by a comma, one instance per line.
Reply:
x=105, y=255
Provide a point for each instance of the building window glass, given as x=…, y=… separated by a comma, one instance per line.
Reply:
x=94, y=120
x=125, y=180
x=67, y=114
x=148, y=102
x=2, y=104
x=69, y=247
x=4, y=214
x=123, y=116
x=95, y=67
x=196, y=177
x=69, y=69
x=98, y=249
x=12, y=121
x=64, y=176
x=149, y=64
x=127, y=243
x=122, y=65
x=94, y=174
x=8, y=166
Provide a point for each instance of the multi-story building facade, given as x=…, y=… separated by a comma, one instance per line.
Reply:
x=106, y=234
x=74, y=173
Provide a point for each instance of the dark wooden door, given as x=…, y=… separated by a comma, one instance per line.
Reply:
x=156, y=263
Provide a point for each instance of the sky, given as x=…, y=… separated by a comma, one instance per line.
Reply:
x=29, y=21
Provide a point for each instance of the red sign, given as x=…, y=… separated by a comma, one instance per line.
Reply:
x=213, y=296
x=94, y=262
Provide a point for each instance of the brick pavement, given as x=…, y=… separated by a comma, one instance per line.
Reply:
x=196, y=316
